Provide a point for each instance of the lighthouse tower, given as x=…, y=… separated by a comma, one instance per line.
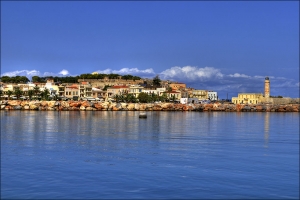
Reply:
x=267, y=87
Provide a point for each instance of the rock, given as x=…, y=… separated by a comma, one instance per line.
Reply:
x=8, y=107
x=26, y=107
x=74, y=108
x=17, y=107
x=98, y=106
x=124, y=105
x=33, y=107
x=82, y=107
x=119, y=106
x=4, y=102
x=2, y=107
x=89, y=108
x=14, y=103
x=86, y=104
x=44, y=103
x=75, y=104
x=65, y=104
x=246, y=109
x=143, y=107
x=51, y=104
x=114, y=108
x=165, y=106
x=157, y=108
x=24, y=103
x=131, y=106
x=136, y=106
x=35, y=103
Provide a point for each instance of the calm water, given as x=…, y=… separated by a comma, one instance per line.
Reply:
x=168, y=155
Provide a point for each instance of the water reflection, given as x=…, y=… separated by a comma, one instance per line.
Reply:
x=267, y=128
x=52, y=154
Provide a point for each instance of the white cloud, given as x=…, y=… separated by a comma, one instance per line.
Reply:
x=190, y=73
x=131, y=71
x=22, y=73
x=237, y=75
x=30, y=73
x=64, y=72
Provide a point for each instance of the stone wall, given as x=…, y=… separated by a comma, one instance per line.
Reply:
x=104, y=106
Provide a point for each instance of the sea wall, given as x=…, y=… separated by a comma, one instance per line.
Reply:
x=104, y=106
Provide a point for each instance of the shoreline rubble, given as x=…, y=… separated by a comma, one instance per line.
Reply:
x=110, y=106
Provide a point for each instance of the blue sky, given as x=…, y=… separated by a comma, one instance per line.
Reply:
x=228, y=47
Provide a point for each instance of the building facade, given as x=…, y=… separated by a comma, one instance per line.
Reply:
x=213, y=96
x=248, y=98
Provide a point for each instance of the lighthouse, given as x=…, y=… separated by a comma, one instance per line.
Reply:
x=267, y=87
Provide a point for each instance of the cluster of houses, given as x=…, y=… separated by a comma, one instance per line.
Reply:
x=107, y=89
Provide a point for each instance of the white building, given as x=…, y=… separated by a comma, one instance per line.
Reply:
x=189, y=100
x=158, y=91
x=213, y=96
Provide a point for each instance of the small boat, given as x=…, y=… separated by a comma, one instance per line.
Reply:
x=142, y=115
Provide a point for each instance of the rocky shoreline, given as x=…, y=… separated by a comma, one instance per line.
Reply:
x=109, y=106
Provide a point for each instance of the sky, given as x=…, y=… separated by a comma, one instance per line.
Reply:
x=225, y=46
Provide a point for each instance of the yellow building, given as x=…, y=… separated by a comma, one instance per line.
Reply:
x=135, y=90
x=254, y=98
x=200, y=94
x=248, y=98
x=177, y=86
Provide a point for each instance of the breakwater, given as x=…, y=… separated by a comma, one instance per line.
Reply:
x=106, y=106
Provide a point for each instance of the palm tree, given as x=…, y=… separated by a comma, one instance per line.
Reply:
x=9, y=93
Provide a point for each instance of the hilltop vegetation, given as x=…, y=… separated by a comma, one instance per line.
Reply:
x=66, y=79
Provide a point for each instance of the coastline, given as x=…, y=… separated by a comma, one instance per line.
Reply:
x=12, y=105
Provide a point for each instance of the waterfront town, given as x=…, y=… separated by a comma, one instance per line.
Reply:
x=124, y=90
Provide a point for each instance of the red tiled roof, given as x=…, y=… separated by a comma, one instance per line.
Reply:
x=72, y=87
x=119, y=86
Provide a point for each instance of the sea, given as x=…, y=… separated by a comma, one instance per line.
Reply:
x=168, y=155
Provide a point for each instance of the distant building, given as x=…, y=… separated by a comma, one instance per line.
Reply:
x=213, y=96
x=135, y=90
x=200, y=94
x=267, y=87
x=248, y=98
x=117, y=90
x=177, y=86
x=188, y=100
x=71, y=91
x=254, y=98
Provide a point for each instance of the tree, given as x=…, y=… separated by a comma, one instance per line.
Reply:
x=1, y=93
x=45, y=94
x=105, y=87
x=117, y=98
x=131, y=98
x=144, y=97
x=9, y=93
x=36, y=90
x=156, y=81
x=30, y=94
x=36, y=79
x=18, y=92
x=163, y=98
